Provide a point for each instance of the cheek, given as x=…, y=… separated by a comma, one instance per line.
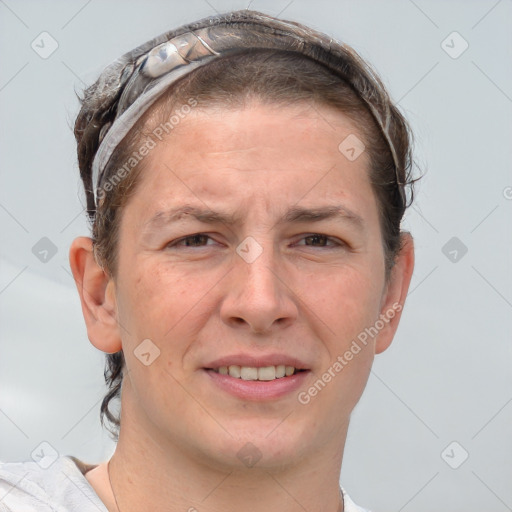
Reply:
x=348, y=306
x=347, y=299
x=158, y=304
x=159, y=301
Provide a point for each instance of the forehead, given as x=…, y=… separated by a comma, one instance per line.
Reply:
x=266, y=129
x=282, y=152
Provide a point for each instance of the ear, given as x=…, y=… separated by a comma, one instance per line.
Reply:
x=97, y=295
x=395, y=293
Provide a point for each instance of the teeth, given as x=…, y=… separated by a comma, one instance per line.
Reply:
x=281, y=371
x=253, y=373
x=248, y=373
x=267, y=373
x=234, y=371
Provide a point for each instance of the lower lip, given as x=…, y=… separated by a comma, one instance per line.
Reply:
x=258, y=389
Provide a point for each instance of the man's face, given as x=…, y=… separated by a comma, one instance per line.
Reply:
x=262, y=289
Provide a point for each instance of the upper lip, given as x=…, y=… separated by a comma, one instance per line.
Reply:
x=257, y=361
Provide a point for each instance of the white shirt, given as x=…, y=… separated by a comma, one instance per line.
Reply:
x=62, y=487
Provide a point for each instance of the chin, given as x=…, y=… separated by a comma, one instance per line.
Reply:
x=264, y=444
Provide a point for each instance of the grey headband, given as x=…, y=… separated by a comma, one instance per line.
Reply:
x=154, y=71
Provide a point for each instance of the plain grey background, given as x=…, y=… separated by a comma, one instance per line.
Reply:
x=441, y=392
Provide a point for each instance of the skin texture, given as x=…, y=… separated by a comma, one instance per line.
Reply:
x=303, y=296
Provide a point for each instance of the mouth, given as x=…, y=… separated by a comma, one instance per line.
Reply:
x=254, y=373
x=258, y=383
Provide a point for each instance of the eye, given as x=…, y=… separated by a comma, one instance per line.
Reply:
x=311, y=240
x=195, y=240
x=320, y=240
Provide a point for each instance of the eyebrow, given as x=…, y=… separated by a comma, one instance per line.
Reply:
x=294, y=215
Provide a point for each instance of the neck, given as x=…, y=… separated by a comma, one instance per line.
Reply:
x=148, y=472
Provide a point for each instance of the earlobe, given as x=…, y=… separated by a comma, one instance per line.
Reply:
x=97, y=296
x=396, y=293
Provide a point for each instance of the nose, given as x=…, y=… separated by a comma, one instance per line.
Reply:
x=259, y=296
